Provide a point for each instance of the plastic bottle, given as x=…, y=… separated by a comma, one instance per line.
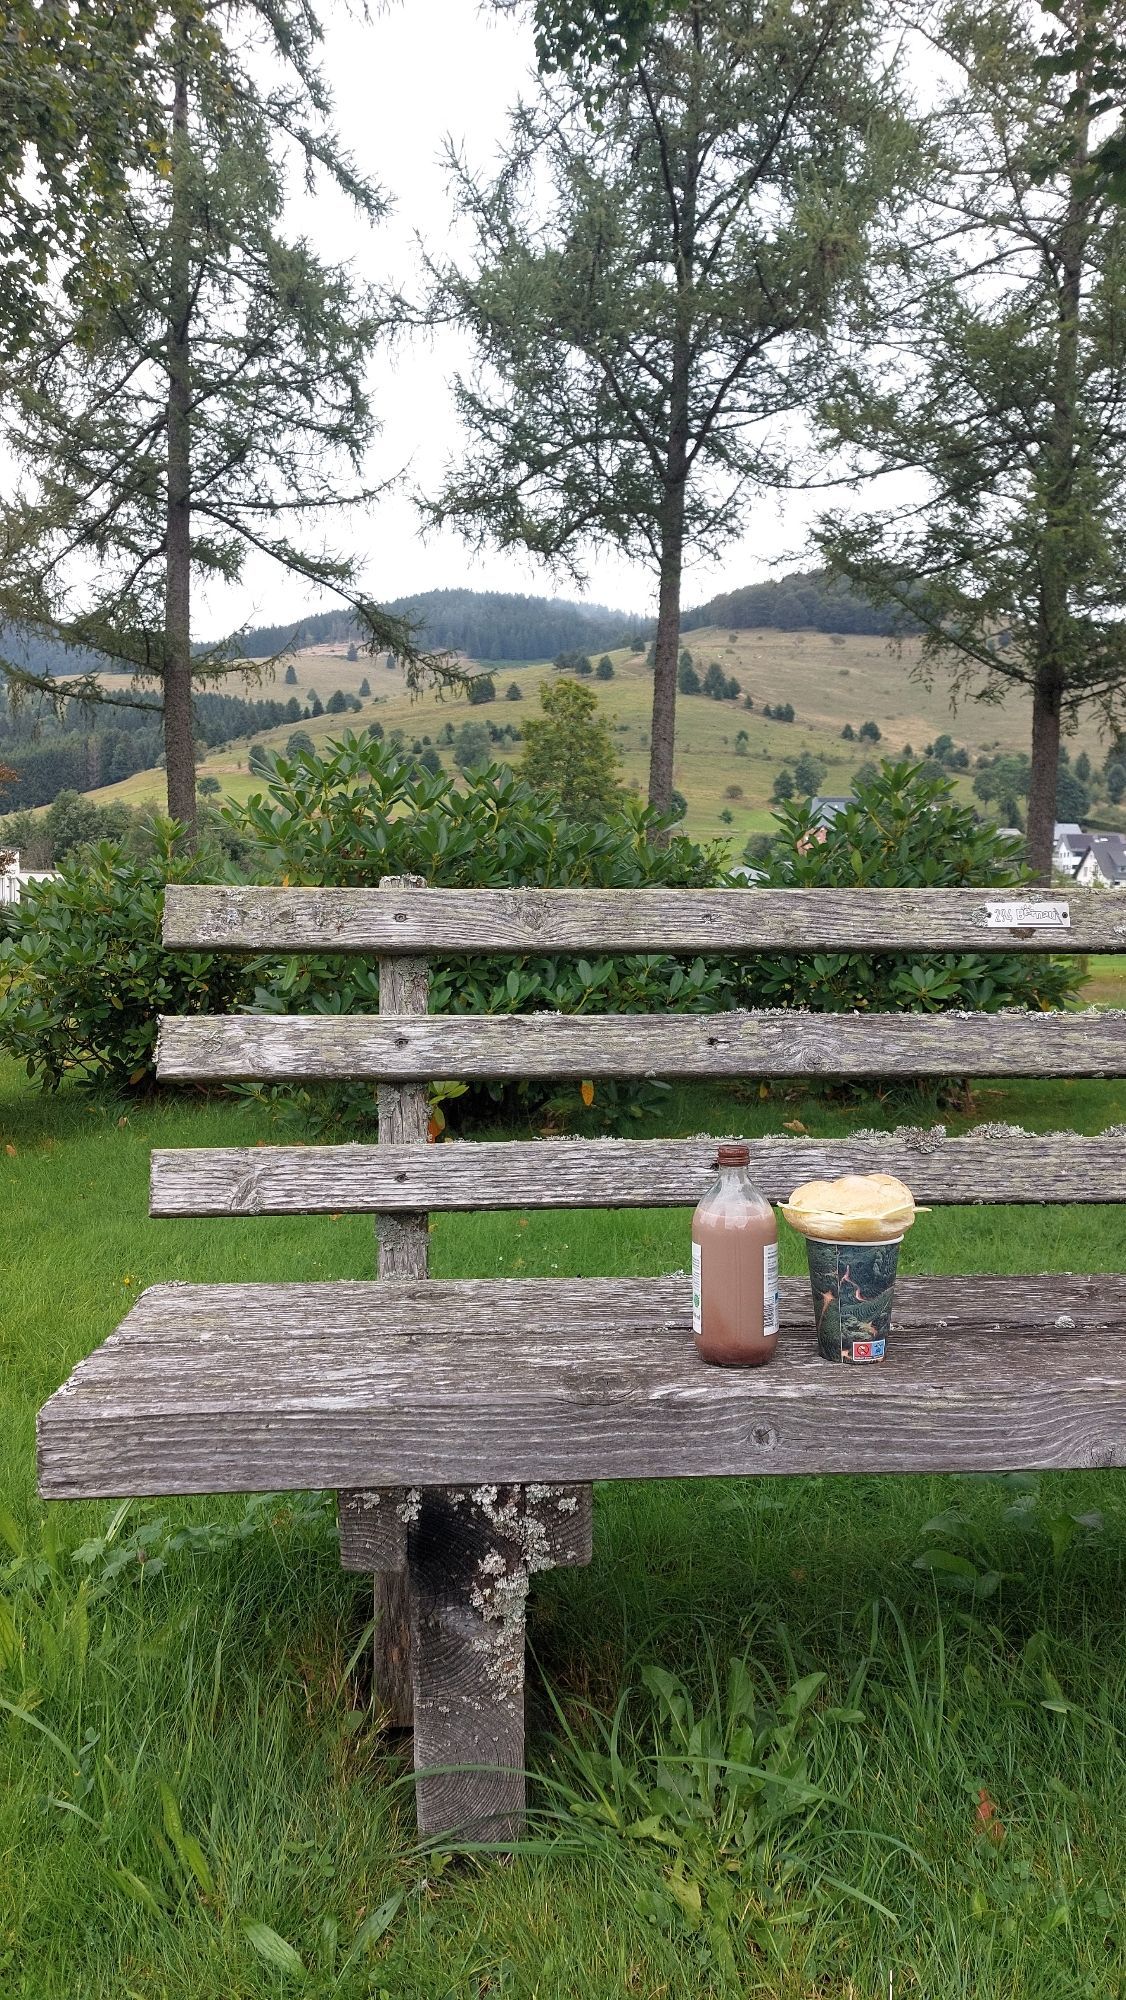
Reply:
x=734, y=1268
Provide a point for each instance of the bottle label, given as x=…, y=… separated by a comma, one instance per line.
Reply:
x=770, y=1288
x=695, y=1288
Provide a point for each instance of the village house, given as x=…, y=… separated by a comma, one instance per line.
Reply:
x=1104, y=864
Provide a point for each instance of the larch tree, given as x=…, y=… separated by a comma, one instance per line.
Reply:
x=1003, y=391
x=210, y=404
x=75, y=120
x=658, y=269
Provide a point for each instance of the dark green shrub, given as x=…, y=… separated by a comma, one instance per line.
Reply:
x=471, y=746
x=84, y=974
x=901, y=830
x=357, y=813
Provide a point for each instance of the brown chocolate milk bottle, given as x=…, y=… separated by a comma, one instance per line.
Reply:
x=734, y=1268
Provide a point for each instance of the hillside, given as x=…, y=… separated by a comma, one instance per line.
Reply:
x=485, y=624
x=494, y=625
x=830, y=680
x=803, y=600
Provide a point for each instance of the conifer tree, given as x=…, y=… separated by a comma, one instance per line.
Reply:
x=1003, y=383
x=686, y=213
x=215, y=400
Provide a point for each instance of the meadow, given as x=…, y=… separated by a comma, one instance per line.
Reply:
x=829, y=682
x=196, y=1801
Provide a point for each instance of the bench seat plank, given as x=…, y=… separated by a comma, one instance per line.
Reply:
x=398, y=919
x=357, y=1047
x=999, y=1163
x=231, y=1388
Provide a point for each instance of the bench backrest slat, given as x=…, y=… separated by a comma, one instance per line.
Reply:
x=225, y=1048
x=453, y=921
x=1001, y=1165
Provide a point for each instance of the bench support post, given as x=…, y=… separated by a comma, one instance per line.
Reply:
x=471, y=1557
x=404, y=1252
x=451, y=1568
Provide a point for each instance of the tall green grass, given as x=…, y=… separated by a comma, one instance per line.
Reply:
x=195, y=1803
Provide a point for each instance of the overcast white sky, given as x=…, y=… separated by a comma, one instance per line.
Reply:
x=402, y=81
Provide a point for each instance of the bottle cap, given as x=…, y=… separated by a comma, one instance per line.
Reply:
x=737, y=1154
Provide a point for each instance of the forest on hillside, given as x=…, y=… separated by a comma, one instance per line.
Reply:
x=805, y=601
x=495, y=625
x=90, y=743
x=485, y=624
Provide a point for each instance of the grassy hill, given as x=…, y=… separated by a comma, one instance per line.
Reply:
x=829, y=679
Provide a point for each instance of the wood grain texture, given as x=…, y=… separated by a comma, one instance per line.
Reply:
x=469, y=1574
x=1002, y=1164
x=222, y=1388
x=403, y=1252
x=404, y=1112
x=373, y=1530
x=626, y=920
x=278, y=1046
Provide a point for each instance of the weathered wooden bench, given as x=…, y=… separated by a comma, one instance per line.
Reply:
x=461, y=1423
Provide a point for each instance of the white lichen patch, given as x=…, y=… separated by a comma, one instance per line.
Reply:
x=499, y=1591
x=410, y=1507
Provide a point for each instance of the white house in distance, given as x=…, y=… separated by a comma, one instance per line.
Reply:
x=1090, y=860
x=1069, y=845
x=1104, y=864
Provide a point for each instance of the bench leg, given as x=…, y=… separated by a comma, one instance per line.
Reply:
x=373, y=1539
x=471, y=1555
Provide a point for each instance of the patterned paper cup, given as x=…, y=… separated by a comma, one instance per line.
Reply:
x=853, y=1287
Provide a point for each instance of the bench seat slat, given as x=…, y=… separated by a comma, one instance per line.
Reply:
x=617, y=920
x=1003, y=1165
x=226, y=1048
x=224, y=1388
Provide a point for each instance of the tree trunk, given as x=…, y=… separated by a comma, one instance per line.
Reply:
x=179, y=746
x=1055, y=639
x=674, y=483
x=662, y=741
x=1045, y=770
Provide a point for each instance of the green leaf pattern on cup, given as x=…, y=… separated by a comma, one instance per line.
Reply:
x=853, y=1288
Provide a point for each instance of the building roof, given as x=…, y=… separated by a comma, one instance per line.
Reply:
x=827, y=808
x=1108, y=851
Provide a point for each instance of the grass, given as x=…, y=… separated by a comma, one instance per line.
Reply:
x=196, y=1804
x=829, y=683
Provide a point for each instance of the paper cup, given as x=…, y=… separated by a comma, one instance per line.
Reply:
x=853, y=1287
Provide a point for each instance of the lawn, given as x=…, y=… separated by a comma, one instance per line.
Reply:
x=197, y=1806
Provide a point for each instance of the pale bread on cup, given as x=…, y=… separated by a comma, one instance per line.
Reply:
x=857, y=1208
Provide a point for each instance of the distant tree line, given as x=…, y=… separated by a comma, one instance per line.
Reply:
x=89, y=744
x=805, y=601
x=485, y=624
x=493, y=625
